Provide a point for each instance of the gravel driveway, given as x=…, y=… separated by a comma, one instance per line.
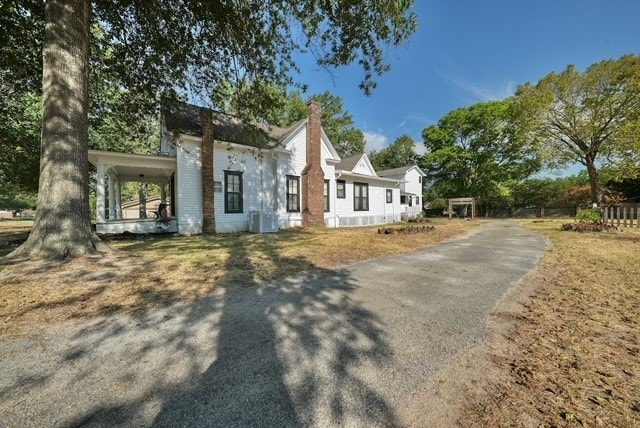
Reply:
x=346, y=347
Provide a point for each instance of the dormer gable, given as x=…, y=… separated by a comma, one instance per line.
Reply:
x=357, y=164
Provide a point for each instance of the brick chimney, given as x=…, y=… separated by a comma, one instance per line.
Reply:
x=312, y=174
x=208, y=213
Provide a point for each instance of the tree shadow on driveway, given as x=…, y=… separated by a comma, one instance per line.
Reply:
x=284, y=355
x=280, y=354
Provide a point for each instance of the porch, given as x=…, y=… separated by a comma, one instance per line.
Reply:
x=112, y=170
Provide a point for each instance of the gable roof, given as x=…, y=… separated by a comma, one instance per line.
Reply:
x=358, y=164
x=183, y=118
x=399, y=171
x=347, y=164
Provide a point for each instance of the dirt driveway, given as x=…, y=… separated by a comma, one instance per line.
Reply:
x=346, y=347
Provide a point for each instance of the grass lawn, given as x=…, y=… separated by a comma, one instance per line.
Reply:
x=576, y=356
x=142, y=274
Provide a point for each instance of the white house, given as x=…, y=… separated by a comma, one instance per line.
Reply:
x=218, y=173
x=411, y=182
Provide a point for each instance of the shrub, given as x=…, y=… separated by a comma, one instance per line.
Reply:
x=589, y=215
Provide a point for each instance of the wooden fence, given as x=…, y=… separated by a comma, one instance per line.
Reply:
x=625, y=215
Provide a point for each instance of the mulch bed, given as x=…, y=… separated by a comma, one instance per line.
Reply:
x=405, y=230
x=589, y=227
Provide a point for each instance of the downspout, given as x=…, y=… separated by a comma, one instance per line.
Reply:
x=335, y=200
x=394, y=205
x=261, y=161
x=277, y=182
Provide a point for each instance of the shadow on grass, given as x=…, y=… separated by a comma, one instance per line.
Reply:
x=249, y=354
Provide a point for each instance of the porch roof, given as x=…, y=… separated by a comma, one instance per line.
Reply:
x=135, y=167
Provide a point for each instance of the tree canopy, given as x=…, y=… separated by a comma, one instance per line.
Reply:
x=287, y=107
x=588, y=117
x=401, y=153
x=471, y=152
x=156, y=46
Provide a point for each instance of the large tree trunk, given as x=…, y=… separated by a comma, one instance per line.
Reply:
x=62, y=225
x=594, y=180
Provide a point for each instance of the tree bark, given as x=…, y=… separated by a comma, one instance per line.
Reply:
x=62, y=225
x=142, y=199
x=594, y=180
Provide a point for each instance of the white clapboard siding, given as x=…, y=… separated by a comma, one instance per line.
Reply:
x=257, y=184
x=189, y=187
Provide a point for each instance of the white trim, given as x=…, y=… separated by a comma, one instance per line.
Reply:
x=325, y=139
x=130, y=159
x=342, y=173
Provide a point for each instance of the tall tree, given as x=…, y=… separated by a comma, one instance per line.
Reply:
x=588, y=117
x=157, y=45
x=20, y=116
x=401, y=153
x=283, y=108
x=471, y=152
x=339, y=126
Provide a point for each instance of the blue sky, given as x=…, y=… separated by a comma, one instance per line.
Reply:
x=467, y=51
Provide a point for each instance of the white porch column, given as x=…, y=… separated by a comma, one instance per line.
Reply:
x=118, y=191
x=100, y=193
x=112, y=197
x=163, y=193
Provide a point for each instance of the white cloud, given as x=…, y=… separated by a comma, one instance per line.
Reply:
x=420, y=148
x=476, y=91
x=375, y=140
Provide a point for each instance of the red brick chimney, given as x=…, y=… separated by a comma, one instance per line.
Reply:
x=312, y=174
x=208, y=213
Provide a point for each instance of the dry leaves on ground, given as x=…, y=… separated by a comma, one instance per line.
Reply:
x=574, y=354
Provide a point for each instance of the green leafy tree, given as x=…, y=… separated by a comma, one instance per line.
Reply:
x=119, y=121
x=545, y=192
x=276, y=106
x=401, y=153
x=471, y=152
x=339, y=126
x=585, y=117
x=20, y=116
x=285, y=108
x=159, y=45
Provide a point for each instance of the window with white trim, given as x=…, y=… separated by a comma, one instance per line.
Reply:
x=232, y=192
x=326, y=196
x=293, y=193
x=360, y=197
x=341, y=186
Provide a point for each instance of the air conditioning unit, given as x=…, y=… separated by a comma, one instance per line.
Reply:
x=263, y=222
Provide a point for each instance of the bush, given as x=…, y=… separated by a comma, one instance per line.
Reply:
x=589, y=215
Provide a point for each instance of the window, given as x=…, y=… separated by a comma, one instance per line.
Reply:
x=360, y=197
x=403, y=199
x=293, y=193
x=410, y=201
x=232, y=192
x=326, y=196
x=389, y=196
x=419, y=179
x=340, y=189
